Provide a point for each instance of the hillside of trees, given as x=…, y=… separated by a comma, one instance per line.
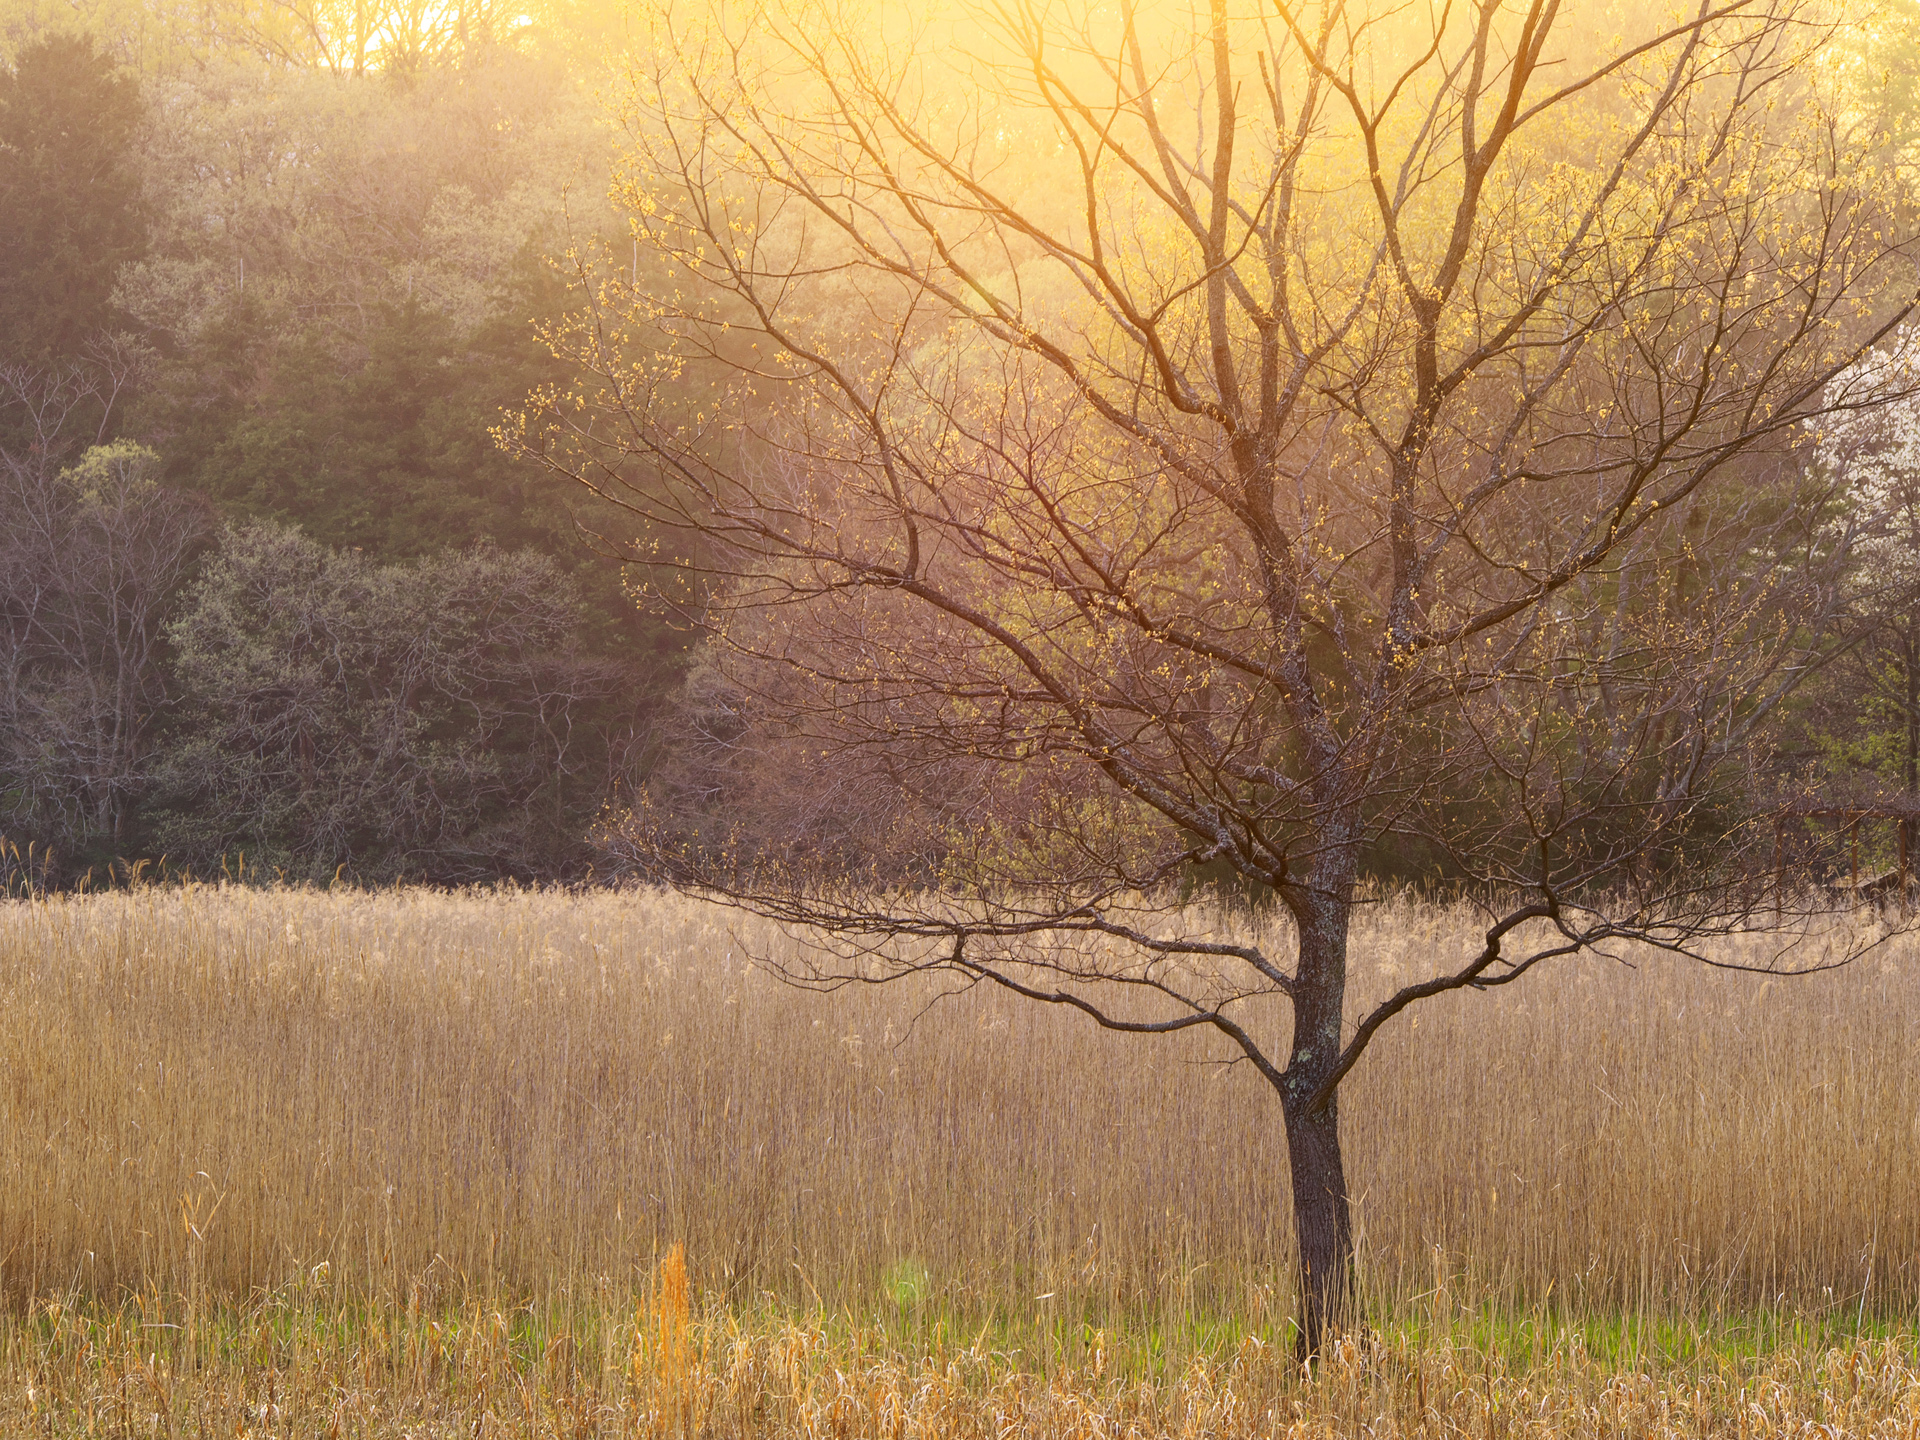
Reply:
x=271, y=597
x=275, y=598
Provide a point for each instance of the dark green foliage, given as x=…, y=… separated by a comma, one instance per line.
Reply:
x=389, y=453
x=307, y=298
x=69, y=195
x=434, y=720
x=392, y=455
x=311, y=298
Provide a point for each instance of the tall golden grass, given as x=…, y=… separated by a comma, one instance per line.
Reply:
x=214, y=1092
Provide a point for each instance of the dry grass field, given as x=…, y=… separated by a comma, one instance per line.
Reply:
x=294, y=1161
x=274, y=1371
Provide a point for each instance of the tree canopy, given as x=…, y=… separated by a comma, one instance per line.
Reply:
x=1248, y=443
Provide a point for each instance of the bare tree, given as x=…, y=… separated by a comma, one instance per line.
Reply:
x=89, y=558
x=1873, y=698
x=1256, y=444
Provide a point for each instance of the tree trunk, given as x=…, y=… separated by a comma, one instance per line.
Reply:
x=1322, y=1214
x=1910, y=665
x=1322, y=1222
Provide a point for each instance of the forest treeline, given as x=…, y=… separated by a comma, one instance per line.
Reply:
x=273, y=594
x=270, y=594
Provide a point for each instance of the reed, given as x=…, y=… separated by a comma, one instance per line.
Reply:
x=407, y=1100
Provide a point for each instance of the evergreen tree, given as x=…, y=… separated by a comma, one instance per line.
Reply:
x=70, y=194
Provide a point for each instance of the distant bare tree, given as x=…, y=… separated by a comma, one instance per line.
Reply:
x=90, y=557
x=1873, y=694
x=52, y=410
x=1320, y=430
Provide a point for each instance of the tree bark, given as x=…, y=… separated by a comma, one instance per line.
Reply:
x=1322, y=1212
x=1910, y=665
x=1322, y=1222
